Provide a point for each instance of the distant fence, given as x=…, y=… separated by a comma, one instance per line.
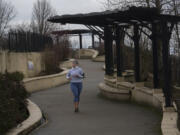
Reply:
x=26, y=42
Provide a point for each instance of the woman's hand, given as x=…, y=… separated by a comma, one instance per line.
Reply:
x=75, y=75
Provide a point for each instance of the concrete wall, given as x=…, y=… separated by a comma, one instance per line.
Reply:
x=31, y=123
x=148, y=96
x=19, y=62
x=66, y=64
x=99, y=59
x=45, y=82
x=87, y=54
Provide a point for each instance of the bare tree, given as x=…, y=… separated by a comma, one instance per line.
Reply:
x=175, y=9
x=7, y=13
x=42, y=10
x=22, y=27
x=161, y=5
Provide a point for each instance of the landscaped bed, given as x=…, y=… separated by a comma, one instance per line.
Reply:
x=12, y=101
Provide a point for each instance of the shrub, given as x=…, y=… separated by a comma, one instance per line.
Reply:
x=100, y=49
x=175, y=70
x=55, y=54
x=128, y=57
x=12, y=101
x=51, y=62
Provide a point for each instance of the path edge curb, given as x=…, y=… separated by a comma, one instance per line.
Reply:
x=32, y=122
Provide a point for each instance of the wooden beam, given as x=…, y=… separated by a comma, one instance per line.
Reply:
x=136, y=39
x=108, y=41
x=80, y=41
x=165, y=37
x=155, y=55
x=119, y=42
x=100, y=33
x=93, y=40
x=9, y=41
x=141, y=30
x=100, y=40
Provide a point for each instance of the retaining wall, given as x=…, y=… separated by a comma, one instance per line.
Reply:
x=86, y=54
x=138, y=93
x=34, y=120
x=49, y=81
x=37, y=84
x=45, y=82
x=13, y=62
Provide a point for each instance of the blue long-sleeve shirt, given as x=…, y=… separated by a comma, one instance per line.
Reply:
x=76, y=75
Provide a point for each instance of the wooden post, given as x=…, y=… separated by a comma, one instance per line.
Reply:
x=155, y=55
x=93, y=40
x=99, y=40
x=16, y=42
x=108, y=40
x=119, y=55
x=80, y=41
x=9, y=41
x=178, y=72
x=136, y=39
x=57, y=39
x=165, y=37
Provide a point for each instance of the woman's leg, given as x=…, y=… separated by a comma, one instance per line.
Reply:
x=79, y=91
x=74, y=90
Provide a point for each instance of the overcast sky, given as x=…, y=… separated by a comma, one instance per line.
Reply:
x=24, y=7
x=24, y=11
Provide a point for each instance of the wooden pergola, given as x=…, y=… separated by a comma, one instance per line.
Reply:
x=111, y=25
x=77, y=32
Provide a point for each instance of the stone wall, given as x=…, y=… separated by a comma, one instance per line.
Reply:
x=49, y=81
x=44, y=82
x=141, y=94
x=19, y=62
x=86, y=54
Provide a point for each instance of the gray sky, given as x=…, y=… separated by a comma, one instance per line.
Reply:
x=24, y=11
x=24, y=7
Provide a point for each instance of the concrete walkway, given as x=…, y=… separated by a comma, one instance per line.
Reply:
x=97, y=116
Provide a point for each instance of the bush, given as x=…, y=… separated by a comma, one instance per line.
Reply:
x=54, y=55
x=175, y=70
x=51, y=62
x=12, y=101
x=100, y=49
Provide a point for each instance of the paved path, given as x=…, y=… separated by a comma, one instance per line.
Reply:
x=97, y=116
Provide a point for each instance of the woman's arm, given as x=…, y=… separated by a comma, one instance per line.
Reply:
x=81, y=73
x=68, y=76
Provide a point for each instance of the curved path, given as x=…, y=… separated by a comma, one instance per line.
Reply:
x=97, y=116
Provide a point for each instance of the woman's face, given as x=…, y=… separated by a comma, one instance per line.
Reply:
x=74, y=64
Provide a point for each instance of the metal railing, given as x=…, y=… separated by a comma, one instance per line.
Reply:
x=25, y=42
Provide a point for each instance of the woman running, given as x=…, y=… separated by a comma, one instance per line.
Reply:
x=76, y=75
